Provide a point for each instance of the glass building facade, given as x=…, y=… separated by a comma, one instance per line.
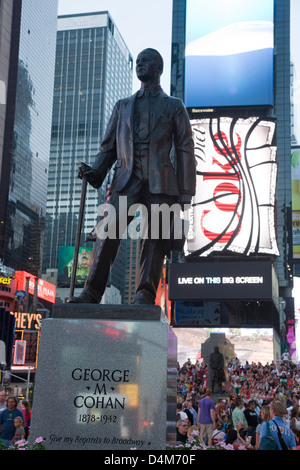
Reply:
x=27, y=138
x=93, y=71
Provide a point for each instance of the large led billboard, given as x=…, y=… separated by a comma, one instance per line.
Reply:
x=233, y=210
x=229, y=53
x=251, y=280
x=295, y=161
x=65, y=265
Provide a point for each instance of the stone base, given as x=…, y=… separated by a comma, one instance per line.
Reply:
x=106, y=379
x=110, y=312
x=220, y=396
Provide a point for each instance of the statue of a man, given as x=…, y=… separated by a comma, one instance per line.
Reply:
x=138, y=141
x=216, y=364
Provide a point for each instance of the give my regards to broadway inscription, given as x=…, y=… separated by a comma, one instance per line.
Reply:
x=99, y=393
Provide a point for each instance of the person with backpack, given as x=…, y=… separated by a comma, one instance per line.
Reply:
x=274, y=434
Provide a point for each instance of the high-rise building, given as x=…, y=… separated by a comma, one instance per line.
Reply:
x=93, y=71
x=225, y=58
x=25, y=160
x=295, y=132
x=6, y=16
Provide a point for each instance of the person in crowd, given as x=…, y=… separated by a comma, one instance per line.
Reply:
x=286, y=356
x=218, y=433
x=191, y=412
x=226, y=423
x=206, y=417
x=238, y=414
x=236, y=383
x=2, y=400
x=7, y=428
x=183, y=389
x=180, y=411
x=19, y=430
x=221, y=410
x=25, y=408
x=201, y=372
x=277, y=412
x=237, y=437
x=182, y=427
x=251, y=417
x=295, y=419
x=297, y=438
x=265, y=416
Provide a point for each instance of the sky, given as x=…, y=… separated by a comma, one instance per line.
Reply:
x=141, y=24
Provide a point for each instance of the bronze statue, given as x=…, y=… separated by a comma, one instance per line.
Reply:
x=216, y=364
x=138, y=141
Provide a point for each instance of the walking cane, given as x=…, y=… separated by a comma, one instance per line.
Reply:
x=78, y=235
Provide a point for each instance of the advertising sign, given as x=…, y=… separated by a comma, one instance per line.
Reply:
x=295, y=160
x=4, y=280
x=27, y=321
x=45, y=290
x=223, y=281
x=229, y=53
x=65, y=263
x=20, y=352
x=233, y=209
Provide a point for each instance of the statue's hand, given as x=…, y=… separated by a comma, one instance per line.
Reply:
x=91, y=175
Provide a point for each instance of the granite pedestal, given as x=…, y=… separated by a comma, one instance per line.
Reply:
x=106, y=379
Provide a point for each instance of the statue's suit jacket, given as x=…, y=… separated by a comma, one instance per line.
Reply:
x=170, y=125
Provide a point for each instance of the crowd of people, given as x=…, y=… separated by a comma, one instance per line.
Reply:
x=261, y=406
x=14, y=419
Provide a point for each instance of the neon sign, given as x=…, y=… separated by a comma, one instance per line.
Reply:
x=20, y=352
x=5, y=280
x=45, y=290
x=233, y=209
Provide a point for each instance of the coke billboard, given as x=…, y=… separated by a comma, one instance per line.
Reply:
x=234, y=206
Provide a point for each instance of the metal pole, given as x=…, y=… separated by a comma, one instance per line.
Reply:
x=78, y=236
x=28, y=381
x=27, y=294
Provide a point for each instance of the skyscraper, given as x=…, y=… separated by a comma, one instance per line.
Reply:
x=6, y=15
x=24, y=169
x=213, y=51
x=93, y=70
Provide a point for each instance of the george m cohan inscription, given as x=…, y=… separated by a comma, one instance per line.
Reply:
x=100, y=402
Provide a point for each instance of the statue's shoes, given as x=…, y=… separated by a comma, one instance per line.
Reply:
x=83, y=298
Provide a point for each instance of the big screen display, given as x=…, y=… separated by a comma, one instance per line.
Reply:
x=229, y=53
x=295, y=162
x=239, y=280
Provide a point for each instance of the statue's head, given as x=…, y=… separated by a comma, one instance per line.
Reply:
x=149, y=65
